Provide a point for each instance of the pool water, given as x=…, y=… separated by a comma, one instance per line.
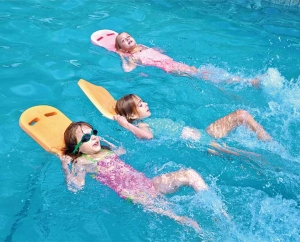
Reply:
x=45, y=49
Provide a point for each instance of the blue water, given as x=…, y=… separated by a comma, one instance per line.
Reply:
x=45, y=50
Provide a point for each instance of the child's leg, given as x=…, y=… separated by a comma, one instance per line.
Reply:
x=169, y=183
x=180, y=68
x=223, y=126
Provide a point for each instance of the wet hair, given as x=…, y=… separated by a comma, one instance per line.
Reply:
x=71, y=140
x=117, y=45
x=126, y=107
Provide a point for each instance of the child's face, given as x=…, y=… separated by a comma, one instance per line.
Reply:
x=90, y=147
x=142, y=108
x=126, y=42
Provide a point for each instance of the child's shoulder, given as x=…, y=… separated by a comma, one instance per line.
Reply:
x=143, y=47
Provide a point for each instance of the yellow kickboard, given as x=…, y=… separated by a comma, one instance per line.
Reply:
x=100, y=97
x=46, y=125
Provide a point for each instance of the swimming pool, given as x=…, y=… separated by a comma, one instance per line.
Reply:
x=45, y=50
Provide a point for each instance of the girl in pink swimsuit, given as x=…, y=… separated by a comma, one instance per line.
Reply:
x=133, y=54
x=83, y=145
x=136, y=54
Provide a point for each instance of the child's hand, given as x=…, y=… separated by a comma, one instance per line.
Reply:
x=120, y=151
x=65, y=160
x=122, y=121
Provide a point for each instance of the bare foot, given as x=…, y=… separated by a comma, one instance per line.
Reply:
x=264, y=136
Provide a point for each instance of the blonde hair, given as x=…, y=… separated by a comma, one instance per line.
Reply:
x=117, y=45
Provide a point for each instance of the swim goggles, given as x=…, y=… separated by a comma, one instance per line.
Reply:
x=85, y=138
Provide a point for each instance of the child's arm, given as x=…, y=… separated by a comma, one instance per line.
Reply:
x=65, y=161
x=127, y=65
x=76, y=181
x=142, y=132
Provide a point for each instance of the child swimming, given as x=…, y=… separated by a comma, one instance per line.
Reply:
x=131, y=108
x=133, y=54
x=88, y=157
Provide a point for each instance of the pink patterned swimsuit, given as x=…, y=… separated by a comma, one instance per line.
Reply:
x=152, y=57
x=123, y=179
